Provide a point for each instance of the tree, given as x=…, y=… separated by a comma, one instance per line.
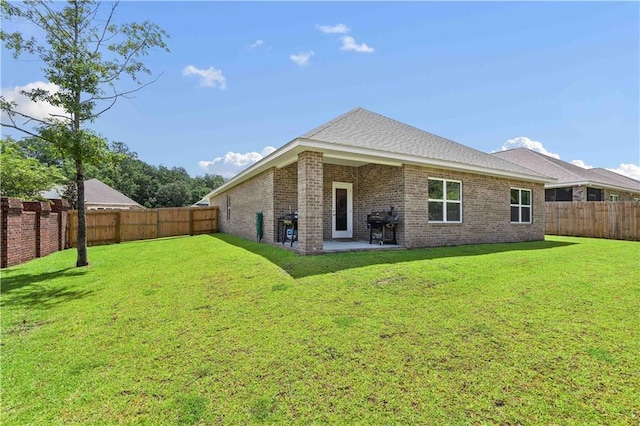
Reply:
x=202, y=185
x=85, y=54
x=174, y=194
x=24, y=177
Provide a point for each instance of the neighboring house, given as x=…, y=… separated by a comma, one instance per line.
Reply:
x=99, y=196
x=202, y=203
x=335, y=175
x=575, y=183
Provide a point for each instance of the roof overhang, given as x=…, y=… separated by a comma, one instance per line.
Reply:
x=591, y=184
x=357, y=156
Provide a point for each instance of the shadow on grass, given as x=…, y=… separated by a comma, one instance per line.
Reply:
x=298, y=266
x=30, y=290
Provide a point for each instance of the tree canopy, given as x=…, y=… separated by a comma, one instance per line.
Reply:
x=23, y=176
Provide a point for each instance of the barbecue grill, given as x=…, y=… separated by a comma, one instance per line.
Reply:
x=382, y=226
x=289, y=227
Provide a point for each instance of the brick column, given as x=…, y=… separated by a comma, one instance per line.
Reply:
x=61, y=207
x=310, y=202
x=42, y=210
x=11, y=231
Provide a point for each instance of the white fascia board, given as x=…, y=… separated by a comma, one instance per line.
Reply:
x=593, y=185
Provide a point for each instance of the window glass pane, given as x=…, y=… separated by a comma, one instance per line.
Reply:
x=515, y=196
x=435, y=210
x=515, y=214
x=436, y=190
x=526, y=214
x=526, y=198
x=549, y=194
x=564, y=194
x=453, y=191
x=453, y=212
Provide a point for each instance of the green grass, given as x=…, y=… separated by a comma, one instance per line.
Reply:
x=214, y=329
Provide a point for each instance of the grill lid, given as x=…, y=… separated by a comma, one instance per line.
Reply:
x=389, y=218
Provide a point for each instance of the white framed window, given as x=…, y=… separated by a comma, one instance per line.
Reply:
x=520, y=205
x=445, y=200
x=228, y=206
x=614, y=197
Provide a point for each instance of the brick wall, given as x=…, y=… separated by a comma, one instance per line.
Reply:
x=305, y=187
x=248, y=198
x=486, y=214
x=31, y=229
x=380, y=187
x=285, y=190
x=622, y=195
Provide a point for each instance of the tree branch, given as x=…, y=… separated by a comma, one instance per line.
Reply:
x=105, y=28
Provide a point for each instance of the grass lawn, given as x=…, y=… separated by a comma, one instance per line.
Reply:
x=213, y=329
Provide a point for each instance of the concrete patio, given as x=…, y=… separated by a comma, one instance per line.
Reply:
x=338, y=246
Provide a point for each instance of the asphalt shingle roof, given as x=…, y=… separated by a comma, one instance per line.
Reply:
x=567, y=172
x=365, y=129
x=96, y=191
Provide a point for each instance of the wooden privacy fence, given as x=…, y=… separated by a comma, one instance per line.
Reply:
x=114, y=226
x=618, y=220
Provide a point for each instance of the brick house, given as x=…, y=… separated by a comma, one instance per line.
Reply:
x=575, y=183
x=445, y=193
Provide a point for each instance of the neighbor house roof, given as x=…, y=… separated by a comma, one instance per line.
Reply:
x=568, y=174
x=361, y=136
x=97, y=194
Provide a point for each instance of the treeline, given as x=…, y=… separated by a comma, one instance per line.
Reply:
x=151, y=186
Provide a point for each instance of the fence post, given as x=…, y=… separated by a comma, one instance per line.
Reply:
x=118, y=227
x=191, y=222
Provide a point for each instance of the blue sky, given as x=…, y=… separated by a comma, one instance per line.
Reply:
x=562, y=77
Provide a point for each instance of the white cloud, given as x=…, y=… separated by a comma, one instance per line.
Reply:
x=349, y=44
x=211, y=77
x=335, y=29
x=37, y=110
x=234, y=162
x=525, y=142
x=629, y=170
x=581, y=163
x=257, y=43
x=302, y=58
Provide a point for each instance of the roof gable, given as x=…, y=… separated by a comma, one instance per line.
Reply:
x=365, y=129
x=360, y=137
x=96, y=191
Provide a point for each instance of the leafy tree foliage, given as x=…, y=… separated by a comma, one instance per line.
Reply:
x=23, y=176
x=85, y=53
x=148, y=185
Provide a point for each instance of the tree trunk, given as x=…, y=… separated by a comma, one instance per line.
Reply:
x=82, y=217
x=83, y=259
